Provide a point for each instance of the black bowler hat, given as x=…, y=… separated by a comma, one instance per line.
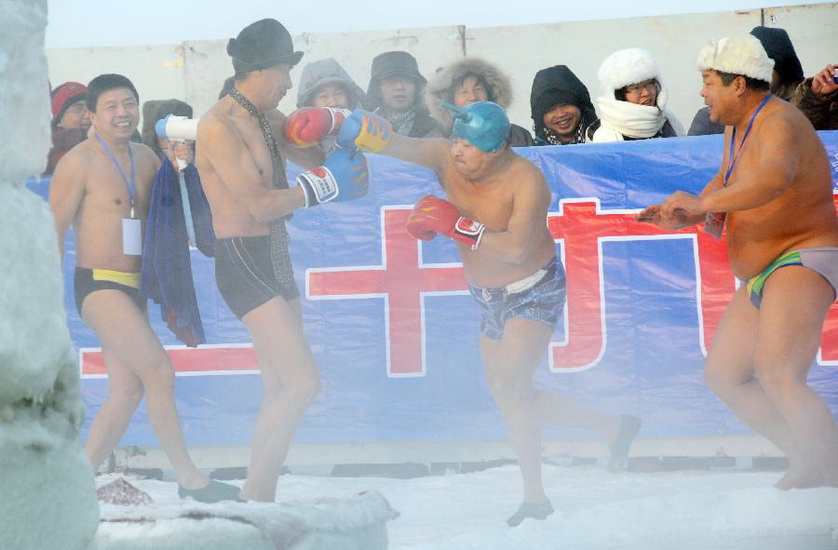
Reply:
x=260, y=45
x=396, y=63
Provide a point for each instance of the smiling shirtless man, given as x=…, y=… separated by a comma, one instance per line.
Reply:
x=102, y=188
x=773, y=195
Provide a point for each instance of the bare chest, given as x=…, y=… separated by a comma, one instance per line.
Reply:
x=259, y=148
x=489, y=204
x=107, y=191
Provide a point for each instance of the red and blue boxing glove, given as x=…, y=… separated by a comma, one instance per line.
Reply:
x=365, y=131
x=308, y=126
x=432, y=215
x=344, y=176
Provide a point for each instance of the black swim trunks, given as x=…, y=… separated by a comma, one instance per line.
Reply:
x=86, y=281
x=245, y=275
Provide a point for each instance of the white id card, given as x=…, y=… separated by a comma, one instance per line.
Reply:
x=132, y=241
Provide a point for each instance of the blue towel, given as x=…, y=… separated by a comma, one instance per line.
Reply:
x=167, y=266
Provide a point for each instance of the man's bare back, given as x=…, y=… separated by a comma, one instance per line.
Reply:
x=518, y=189
x=757, y=236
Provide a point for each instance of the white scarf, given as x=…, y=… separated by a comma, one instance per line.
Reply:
x=623, y=118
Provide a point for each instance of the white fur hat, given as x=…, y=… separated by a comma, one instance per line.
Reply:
x=737, y=55
x=629, y=66
x=625, y=67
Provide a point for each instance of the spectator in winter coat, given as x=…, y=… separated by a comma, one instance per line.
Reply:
x=70, y=120
x=561, y=107
x=395, y=92
x=817, y=98
x=468, y=81
x=632, y=102
x=325, y=83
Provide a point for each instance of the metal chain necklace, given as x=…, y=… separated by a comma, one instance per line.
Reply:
x=280, y=257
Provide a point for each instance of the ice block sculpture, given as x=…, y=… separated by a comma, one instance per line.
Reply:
x=47, y=492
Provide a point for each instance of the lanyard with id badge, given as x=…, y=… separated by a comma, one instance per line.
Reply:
x=132, y=241
x=714, y=222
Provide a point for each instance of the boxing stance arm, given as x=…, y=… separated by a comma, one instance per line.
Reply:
x=773, y=162
x=429, y=152
x=372, y=133
x=526, y=226
x=304, y=157
x=342, y=177
x=673, y=218
x=308, y=126
x=224, y=156
x=512, y=245
x=432, y=215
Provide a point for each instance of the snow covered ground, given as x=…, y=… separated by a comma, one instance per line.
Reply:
x=719, y=509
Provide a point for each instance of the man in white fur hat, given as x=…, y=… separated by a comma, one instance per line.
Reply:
x=773, y=195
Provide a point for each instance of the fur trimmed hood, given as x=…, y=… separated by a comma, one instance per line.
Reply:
x=440, y=88
x=625, y=67
x=743, y=55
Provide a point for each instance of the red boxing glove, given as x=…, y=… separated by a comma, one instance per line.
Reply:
x=309, y=125
x=432, y=215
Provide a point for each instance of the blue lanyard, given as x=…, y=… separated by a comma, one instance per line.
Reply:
x=128, y=184
x=731, y=160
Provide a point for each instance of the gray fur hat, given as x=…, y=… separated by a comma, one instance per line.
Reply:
x=440, y=88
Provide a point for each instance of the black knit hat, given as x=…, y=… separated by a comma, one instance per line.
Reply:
x=261, y=45
x=779, y=48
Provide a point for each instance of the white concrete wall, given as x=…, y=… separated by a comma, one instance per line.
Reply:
x=195, y=71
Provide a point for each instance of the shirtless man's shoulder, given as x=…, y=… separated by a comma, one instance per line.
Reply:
x=523, y=176
x=217, y=121
x=82, y=161
x=529, y=171
x=147, y=161
x=217, y=128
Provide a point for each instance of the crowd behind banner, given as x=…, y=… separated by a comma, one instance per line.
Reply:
x=630, y=99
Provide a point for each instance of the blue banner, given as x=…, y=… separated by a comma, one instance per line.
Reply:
x=395, y=334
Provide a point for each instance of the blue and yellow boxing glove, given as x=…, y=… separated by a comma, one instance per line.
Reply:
x=365, y=131
x=344, y=176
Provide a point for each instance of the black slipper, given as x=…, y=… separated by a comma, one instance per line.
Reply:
x=535, y=510
x=214, y=492
x=629, y=426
